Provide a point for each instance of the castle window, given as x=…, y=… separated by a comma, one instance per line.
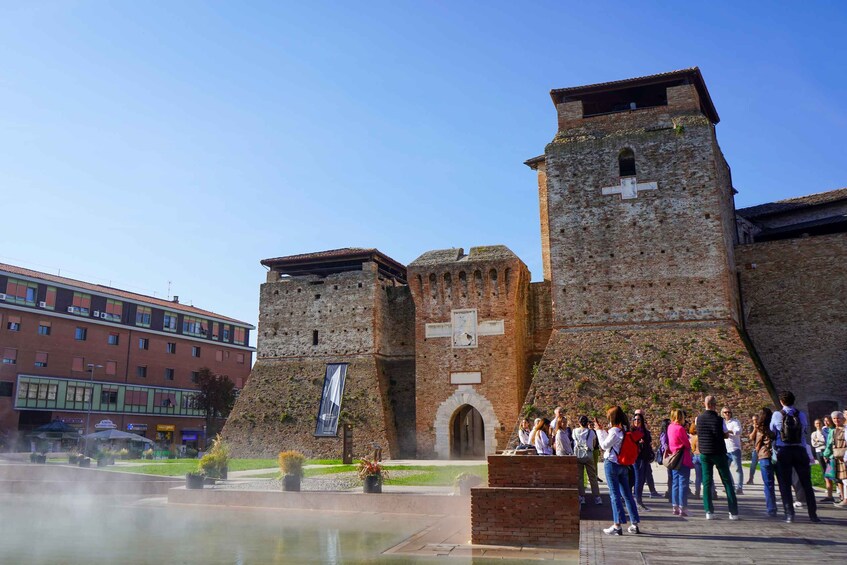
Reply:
x=330, y=406
x=448, y=285
x=433, y=286
x=314, y=337
x=492, y=274
x=626, y=163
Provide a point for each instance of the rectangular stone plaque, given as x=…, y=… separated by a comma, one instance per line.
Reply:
x=439, y=330
x=495, y=327
x=473, y=378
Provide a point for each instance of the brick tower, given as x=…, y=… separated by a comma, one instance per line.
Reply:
x=637, y=229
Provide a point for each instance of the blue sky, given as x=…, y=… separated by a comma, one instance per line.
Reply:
x=147, y=142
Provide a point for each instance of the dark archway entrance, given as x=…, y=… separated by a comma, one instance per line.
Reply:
x=467, y=434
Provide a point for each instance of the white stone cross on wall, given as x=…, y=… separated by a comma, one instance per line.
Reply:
x=464, y=329
x=629, y=188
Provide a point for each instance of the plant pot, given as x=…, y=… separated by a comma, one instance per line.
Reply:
x=102, y=462
x=373, y=484
x=291, y=483
x=85, y=462
x=194, y=481
x=222, y=473
x=41, y=459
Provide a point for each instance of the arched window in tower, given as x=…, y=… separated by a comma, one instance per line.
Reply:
x=626, y=162
x=448, y=286
x=433, y=286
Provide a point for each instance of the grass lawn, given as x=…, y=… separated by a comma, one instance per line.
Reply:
x=432, y=475
x=817, y=474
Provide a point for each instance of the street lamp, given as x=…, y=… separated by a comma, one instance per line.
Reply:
x=91, y=367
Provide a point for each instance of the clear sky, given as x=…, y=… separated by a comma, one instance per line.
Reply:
x=147, y=142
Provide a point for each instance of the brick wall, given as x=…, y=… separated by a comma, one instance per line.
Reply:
x=535, y=472
x=794, y=303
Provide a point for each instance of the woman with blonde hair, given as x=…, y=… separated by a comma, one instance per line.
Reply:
x=617, y=474
x=678, y=441
x=562, y=441
x=539, y=437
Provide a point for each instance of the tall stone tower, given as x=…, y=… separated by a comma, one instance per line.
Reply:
x=637, y=230
x=335, y=346
x=472, y=333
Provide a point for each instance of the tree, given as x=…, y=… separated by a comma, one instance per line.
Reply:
x=216, y=398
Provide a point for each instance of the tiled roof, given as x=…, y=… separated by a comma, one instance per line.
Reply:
x=791, y=204
x=170, y=305
x=343, y=254
x=693, y=73
x=476, y=254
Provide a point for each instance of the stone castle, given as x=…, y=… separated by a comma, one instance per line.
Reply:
x=656, y=291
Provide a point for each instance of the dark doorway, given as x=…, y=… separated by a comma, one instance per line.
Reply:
x=467, y=435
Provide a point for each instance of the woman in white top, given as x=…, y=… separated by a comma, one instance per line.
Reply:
x=523, y=434
x=617, y=475
x=539, y=438
x=562, y=441
x=584, y=439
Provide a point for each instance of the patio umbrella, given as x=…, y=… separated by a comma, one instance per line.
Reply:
x=56, y=430
x=118, y=435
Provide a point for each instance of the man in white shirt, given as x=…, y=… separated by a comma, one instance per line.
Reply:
x=733, y=447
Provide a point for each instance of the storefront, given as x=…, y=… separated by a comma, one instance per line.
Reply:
x=138, y=429
x=165, y=436
x=191, y=438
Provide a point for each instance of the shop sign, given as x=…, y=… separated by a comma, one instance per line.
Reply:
x=105, y=425
x=189, y=436
x=165, y=428
x=72, y=420
x=136, y=427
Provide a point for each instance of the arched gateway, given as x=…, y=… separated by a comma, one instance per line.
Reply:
x=465, y=425
x=467, y=434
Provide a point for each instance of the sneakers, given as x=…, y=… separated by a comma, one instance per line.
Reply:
x=642, y=507
x=676, y=510
x=789, y=518
x=683, y=513
x=815, y=519
x=827, y=499
x=633, y=529
x=739, y=490
x=598, y=501
x=750, y=481
x=581, y=500
x=798, y=505
x=734, y=517
x=655, y=494
x=710, y=516
x=613, y=531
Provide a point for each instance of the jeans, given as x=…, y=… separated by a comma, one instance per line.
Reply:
x=735, y=457
x=642, y=467
x=766, y=466
x=679, y=491
x=698, y=473
x=754, y=459
x=794, y=458
x=619, y=492
x=708, y=463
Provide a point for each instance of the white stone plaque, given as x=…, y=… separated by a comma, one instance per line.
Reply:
x=471, y=378
x=464, y=328
x=491, y=327
x=439, y=330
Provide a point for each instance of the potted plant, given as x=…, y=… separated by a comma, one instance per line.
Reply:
x=124, y=453
x=73, y=458
x=464, y=482
x=195, y=480
x=214, y=463
x=372, y=474
x=148, y=454
x=291, y=464
x=84, y=462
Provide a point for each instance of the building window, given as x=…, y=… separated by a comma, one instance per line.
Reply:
x=77, y=393
x=114, y=311
x=50, y=298
x=169, y=324
x=135, y=397
x=143, y=315
x=141, y=371
x=226, y=333
x=195, y=326
x=114, y=338
x=37, y=391
x=195, y=376
x=111, y=368
x=10, y=356
x=195, y=351
x=109, y=396
x=21, y=292
x=330, y=406
x=169, y=374
x=219, y=355
x=44, y=328
x=5, y=388
x=80, y=334
x=81, y=304
x=626, y=163
x=14, y=324
x=239, y=335
x=170, y=347
x=78, y=364
x=216, y=329
x=143, y=343
x=239, y=358
x=314, y=337
x=40, y=359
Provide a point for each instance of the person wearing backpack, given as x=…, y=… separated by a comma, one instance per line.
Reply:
x=584, y=439
x=711, y=432
x=789, y=425
x=621, y=451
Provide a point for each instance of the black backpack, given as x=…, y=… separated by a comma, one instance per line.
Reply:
x=792, y=429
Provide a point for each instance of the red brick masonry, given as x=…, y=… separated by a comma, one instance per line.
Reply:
x=523, y=493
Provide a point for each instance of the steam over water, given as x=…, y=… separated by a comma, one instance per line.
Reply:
x=75, y=529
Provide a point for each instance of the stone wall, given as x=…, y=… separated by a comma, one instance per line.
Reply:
x=656, y=369
x=794, y=294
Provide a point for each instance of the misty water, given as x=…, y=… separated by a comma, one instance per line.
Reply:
x=127, y=530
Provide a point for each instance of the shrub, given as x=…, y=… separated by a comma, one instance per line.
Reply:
x=291, y=463
x=215, y=461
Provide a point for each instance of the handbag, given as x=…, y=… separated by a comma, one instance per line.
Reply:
x=838, y=452
x=673, y=461
x=830, y=471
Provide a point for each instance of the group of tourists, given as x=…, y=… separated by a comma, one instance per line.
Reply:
x=712, y=441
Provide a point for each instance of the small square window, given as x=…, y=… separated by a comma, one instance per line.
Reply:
x=239, y=358
x=80, y=334
x=141, y=371
x=43, y=329
x=169, y=374
x=14, y=325
x=195, y=376
x=114, y=338
x=40, y=358
x=6, y=388
x=171, y=347
x=195, y=351
x=143, y=343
